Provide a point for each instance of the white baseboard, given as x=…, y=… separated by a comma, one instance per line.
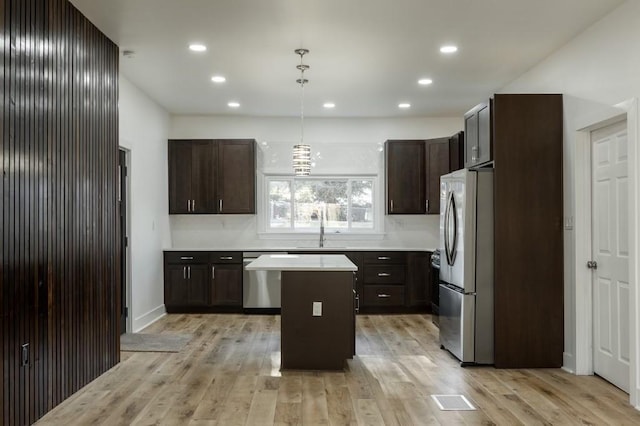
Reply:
x=568, y=363
x=149, y=318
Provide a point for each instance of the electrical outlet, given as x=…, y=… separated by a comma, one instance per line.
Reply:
x=317, y=309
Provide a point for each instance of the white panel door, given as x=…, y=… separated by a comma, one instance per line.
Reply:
x=611, y=294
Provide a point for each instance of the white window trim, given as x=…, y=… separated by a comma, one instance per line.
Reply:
x=264, y=232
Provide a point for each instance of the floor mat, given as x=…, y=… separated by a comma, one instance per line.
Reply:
x=140, y=342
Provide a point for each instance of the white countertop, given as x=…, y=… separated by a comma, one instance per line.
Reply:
x=312, y=249
x=302, y=262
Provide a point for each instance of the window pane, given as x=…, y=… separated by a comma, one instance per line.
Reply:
x=280, y=204
x=362, y=204
x=314, y=198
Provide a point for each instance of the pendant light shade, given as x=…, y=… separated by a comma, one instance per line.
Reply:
x=302, y=160
x=302, y=151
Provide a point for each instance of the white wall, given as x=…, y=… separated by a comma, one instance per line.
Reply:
x=339, y=146
x=597, y=70
x=144, y=130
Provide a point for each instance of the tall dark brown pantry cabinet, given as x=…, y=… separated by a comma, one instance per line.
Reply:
x=208, y=176
x=527, y=154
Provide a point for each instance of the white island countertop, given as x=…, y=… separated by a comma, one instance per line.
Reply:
x=302, y=262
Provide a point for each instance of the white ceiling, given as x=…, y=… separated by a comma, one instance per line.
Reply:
x=365, y=55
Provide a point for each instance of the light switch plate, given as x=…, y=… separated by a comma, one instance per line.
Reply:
x=317, y=309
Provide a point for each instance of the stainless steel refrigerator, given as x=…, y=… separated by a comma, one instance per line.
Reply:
x=466, y=266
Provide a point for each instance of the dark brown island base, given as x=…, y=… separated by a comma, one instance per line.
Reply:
x=318, y=309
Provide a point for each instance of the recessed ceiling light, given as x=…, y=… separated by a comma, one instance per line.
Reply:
x=233, y=104
x=329, y=105
x=218, y=79
x=425, y=81
x=197, y=47
x=449, y=49
x=404, y=105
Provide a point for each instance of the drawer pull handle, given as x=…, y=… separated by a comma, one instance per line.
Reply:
x=186, y=257
x=384, y=274
x=226, y=257
x=383, y=296
x=384, y=258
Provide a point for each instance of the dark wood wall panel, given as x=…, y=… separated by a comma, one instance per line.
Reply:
x=59, y=259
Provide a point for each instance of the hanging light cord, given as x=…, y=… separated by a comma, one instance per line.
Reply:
x=302, y=81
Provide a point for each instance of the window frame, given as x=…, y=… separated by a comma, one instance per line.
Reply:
x=349, y=231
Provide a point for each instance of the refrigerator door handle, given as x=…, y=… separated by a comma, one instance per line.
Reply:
x=446, y=231
x=454, y=213
x=450, y=246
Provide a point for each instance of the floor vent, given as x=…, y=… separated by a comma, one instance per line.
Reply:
x=453, y=402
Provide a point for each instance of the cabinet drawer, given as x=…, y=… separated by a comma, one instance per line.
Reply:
x=186, y=257
x=379, y=257
x=226, y=257
x=383, y=295
x=384, y=274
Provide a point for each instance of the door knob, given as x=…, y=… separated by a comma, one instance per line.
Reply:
x=592, y=264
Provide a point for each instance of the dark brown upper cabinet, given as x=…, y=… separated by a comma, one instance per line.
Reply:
x=477, y=128
x=236, y=176
x=443, y=155
x=413, y=170
x=211, y=176
x=192, y=178
x=405, y=174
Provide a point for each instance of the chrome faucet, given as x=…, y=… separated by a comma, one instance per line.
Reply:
x=321, y=229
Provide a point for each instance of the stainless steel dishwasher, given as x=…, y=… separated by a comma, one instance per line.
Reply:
x=260, y=289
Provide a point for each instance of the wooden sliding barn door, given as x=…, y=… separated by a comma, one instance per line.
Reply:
x=59, y=276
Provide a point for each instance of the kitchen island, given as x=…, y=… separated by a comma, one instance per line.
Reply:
x=318, y=312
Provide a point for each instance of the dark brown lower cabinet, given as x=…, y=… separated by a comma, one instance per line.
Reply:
x=418, y=282
x=186, y=285
x=396, y=282
x=226, y=288
x=202, y=281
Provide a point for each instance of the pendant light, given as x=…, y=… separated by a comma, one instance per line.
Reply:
x=302, y=151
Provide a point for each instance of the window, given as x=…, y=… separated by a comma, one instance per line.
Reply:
x=298, y=204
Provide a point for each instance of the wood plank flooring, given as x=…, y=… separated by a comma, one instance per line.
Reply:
x=229, y=374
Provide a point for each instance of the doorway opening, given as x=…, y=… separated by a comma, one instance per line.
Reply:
x=123, y=207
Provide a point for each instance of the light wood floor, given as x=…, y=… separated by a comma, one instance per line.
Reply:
x=229, y=375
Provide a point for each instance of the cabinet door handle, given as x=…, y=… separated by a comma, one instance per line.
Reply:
x=384, y=258
x=427, y=206
x=184, y=272
x=188, y=272
x=383, y=296
x=474, y=153
x=186, y=257
x=391, y=206
x=220, y=205
x=384, y=274
x=193, y=205
x=189, y=205
x=357, y=303
x=226, y=257
x=213, y=272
